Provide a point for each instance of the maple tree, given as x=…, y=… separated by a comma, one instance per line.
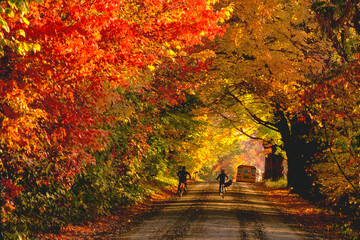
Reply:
x=260, y=62
x=295, y=72
x=12, y=11
x=333, y=98
x=53, y=94
x=97, y=97
x=75, y=59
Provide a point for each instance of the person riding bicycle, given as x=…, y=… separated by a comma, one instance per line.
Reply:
x=221, y=179
x=182, y=174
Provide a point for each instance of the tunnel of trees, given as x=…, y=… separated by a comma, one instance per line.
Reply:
x=100, y=100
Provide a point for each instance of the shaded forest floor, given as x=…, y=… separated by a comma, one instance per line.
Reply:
x=295, y=209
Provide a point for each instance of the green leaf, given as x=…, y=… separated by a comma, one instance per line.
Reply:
x=4, y=24
x=23, y=7
x=10, y=12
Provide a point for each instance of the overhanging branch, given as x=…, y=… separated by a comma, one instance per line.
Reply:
x=254, y=117
x=241, y=130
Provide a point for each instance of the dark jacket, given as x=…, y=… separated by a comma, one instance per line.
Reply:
x=222, y=177
x=182, y=175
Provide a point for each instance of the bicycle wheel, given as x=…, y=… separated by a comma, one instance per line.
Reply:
x=222, y=190
x=182, y=189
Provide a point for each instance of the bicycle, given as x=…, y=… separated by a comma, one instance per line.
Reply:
x=222, y=190
x=182, y=189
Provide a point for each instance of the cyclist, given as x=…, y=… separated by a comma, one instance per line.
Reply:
x=182, y=174
x=221, y=179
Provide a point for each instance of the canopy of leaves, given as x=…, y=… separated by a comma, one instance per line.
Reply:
x=99, y=97
x=280, y=60
x=83, y=77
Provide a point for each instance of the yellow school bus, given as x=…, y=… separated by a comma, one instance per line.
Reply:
x=246, y=173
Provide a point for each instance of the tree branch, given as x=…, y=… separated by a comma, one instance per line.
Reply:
x=338, y=164
x=241, y=130
x=254, y=117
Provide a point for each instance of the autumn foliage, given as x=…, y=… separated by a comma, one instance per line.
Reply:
x=67, y=70
x=286, y=73
x=99, y=98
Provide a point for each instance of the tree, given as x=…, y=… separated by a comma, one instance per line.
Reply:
x=14, y=11
x=268, y=55
x=54, y=102
x=333, y=103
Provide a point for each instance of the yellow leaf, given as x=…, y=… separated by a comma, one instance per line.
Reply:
x=171, y=52
x=21, y=32
x=25, y=20
x=36, y=47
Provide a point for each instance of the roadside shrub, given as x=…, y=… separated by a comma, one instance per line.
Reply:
x=36, y=211
x=281, y=183
x=348, y=232
x=97, y=191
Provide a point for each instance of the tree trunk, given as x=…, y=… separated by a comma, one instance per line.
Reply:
x=297, y=152
x=273, y=165
x=297, y=177
x=268, y=167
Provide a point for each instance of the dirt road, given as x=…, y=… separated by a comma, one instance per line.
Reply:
x=202, y=214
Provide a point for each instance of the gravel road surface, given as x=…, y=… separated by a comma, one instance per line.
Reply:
x=202, y=214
